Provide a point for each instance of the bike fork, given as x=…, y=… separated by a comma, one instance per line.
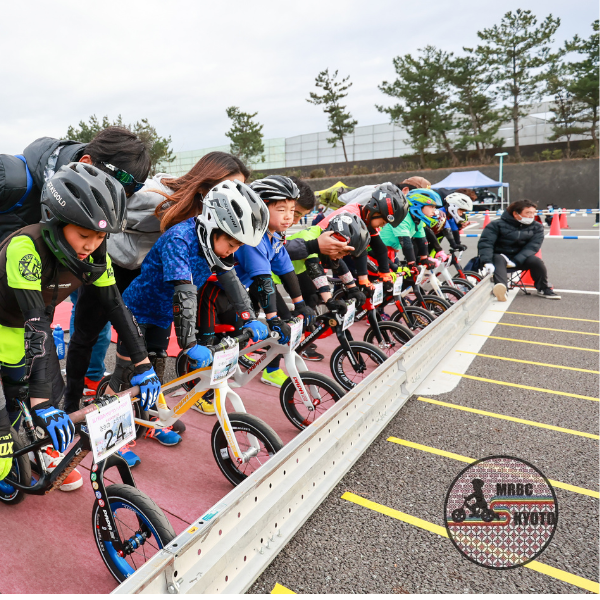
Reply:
x=344, y=337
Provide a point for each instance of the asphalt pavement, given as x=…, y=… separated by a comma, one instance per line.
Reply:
x=346, y=547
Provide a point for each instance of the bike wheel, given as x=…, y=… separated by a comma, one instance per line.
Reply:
x=414, y=317
x=473, y=276
x=243, y=426
x=459, y=515
x=487, y=515
x=369, y=358
x=434, y=304
x=20, y=472
x=451, y=294
x=322, y=391
x=396, y=333
x=138, y=413
x=463, y=285
x=141, y=524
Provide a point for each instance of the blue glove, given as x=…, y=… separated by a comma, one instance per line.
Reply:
x=56, y=423
x=306, y=311
x=282, y=328
x=149, y=384
x=259, y=330
x=200, y=356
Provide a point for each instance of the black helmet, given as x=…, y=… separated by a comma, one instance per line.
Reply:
x=80, y=194
x=389, y=202
x=353, y=229
x=275, y=187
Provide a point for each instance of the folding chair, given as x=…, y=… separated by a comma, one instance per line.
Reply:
x=515, y=279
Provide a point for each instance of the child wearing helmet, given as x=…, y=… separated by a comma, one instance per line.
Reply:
x=181, y=262
x=40, y=265
x=256, y=265
x=423, y=204
x=376, y=206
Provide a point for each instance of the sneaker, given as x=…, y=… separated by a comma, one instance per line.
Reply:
x=548, y=293
x=499, y=290
x=90, y=386
x=52, y=459
x=205, y=407
x=131, y=457
x=166, y=436
x=595, y=224
x=275, y=378
x=310, y=353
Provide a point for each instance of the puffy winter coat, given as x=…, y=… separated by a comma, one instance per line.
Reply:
x=510, y=237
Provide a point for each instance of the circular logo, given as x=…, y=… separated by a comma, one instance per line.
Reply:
x=501, y=512
x=390, y=218
x=102, y=224
x=346, y=219
x=95, y=485
x=101, y=502
x=93, y=476
x=98, y=495
x=94, y=467
x=30, y=267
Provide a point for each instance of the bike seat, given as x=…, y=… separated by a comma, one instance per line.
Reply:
x=224, y=328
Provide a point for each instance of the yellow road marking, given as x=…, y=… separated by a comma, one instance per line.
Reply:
x=466, y=459
x=495, y=337
x=524, y=387
x=542, y=328
x=508, y=312
x=592, y=436
x=280, y=589
x=529, y=362
x=534, y=565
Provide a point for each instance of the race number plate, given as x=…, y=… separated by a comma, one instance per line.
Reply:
x=224, y=364
x=349, y=316
x=296, y=335
x=398, y=286
x=111, y=427
x=377, y=294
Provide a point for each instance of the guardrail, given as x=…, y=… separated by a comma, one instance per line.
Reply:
x=227, y=548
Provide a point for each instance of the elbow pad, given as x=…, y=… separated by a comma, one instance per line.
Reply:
x=317, y=274
x=185, y=308
x=38, y=346
x=262, y=288
x=236, y=294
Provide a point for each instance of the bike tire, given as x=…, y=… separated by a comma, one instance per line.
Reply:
x=434, y=304
x=151, y=521
x=294, y=409
x=463, y=285
x=250, y=425
x=138, y=413
x=336, y=363
x=398, y=335
x=20, y=471
x=473, y=275
x=421, y=318
x=452, y=294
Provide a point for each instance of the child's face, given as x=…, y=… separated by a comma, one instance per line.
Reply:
x=83, y=241
x=461, y=212
x=299, y=212
x=377, y=221
x=224, y=245
x=429, y=210
x=281, y=214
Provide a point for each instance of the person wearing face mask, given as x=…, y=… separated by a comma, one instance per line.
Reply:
x=512, y=241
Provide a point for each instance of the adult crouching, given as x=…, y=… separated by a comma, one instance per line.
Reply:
x=512, y=241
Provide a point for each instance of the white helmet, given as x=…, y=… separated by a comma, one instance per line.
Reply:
x=458, y=201
x=231, y=207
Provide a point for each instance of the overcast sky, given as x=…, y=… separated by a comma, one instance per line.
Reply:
x=182, y=63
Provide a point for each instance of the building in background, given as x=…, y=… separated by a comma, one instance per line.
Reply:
x=370, y=142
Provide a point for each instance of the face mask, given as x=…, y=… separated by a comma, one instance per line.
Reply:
x=527, y=221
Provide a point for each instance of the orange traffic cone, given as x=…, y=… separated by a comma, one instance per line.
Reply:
x=526, y=279
x=555, y=225
x=486, y=219
x=563, y=219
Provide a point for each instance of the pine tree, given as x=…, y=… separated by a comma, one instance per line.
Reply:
x=158, y=147
x=246, y=136
x=424, y=110
x=584, y=87
x=478, y=120
x=515, y=52
x=340, y=121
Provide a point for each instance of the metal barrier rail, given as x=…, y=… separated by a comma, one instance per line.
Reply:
x=226, y=549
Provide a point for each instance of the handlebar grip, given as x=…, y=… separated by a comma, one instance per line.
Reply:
x=79, y=415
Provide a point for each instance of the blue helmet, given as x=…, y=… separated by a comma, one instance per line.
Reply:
x=419, y=198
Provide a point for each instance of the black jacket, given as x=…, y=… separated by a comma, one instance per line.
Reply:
x=510, y=237
x=13, y=181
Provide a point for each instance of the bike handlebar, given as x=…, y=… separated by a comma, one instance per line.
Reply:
x=79, y=415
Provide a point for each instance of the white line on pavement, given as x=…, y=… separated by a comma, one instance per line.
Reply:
x=577, y=292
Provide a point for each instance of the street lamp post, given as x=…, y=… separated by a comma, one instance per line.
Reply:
x=501, y=155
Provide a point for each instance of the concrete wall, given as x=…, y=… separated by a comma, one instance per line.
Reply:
x=567, y=183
